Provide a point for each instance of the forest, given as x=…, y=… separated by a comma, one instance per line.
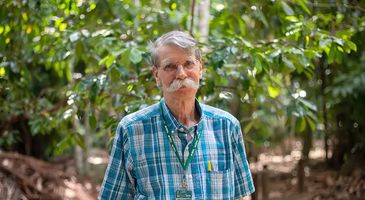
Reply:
x=291, y=71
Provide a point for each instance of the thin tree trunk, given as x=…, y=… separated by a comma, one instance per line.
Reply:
x=204, y=12
x=78, y=153
x=27, y=139
x=323, y=67
x=87, y=137
x=192, y=10
x=301, y=175
x=307, y=143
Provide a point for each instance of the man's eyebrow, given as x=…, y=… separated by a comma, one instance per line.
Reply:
x=166, y=61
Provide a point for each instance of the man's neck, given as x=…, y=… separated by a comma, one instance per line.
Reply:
x=183, y=110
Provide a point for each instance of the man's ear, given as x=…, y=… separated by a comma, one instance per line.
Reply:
x=155, y=74
x=200, y=65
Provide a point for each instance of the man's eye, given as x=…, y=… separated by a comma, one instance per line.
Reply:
x=169, y=67
x=189, y=64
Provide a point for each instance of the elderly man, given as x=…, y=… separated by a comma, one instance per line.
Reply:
x=178, y=148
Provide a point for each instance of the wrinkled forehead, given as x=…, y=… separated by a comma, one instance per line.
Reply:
x=173, y=53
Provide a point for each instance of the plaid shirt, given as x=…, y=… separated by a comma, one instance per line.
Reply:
x=143, y=165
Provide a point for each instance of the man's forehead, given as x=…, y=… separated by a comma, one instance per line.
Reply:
x=172, y=54
x=173, y=59
x=175, y=49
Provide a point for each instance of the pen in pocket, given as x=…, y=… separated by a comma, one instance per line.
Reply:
x=210, y=166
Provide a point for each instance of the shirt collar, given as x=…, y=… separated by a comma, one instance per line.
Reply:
x=171, y=122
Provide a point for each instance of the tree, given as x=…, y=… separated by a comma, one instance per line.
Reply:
x=82, y=65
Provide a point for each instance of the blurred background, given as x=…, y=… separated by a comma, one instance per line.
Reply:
x=292, y=72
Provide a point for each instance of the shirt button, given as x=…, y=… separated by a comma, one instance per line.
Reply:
x=181, y=129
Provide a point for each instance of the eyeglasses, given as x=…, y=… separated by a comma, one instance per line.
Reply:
x=172, y=67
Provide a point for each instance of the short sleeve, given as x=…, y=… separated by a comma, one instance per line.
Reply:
x=118, y=181
x=242, y=175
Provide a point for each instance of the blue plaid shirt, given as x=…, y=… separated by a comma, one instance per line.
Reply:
x=143, y=165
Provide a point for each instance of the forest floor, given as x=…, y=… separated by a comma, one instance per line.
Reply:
x=321, y=182
x=23, y=177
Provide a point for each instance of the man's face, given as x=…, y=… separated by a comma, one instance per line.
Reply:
x=178, y=71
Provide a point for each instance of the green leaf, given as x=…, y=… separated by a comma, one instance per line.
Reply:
x=292, y=18
x=344, y=34
x=311, y=123
x=173, y=6
x=276, y=80
x=339, y=41
x=304, y=61
x=92, y=121
x=332, y=53
x=63, y=144
x=288, y=63
x=300, y=124
x=351, y=45
x=115, y=75
x=262, y=17
x=324, y=42
x=2, y=71
x=108, y=60
x=92, y=6
x=130, y=87
x=304, y=6
x=258, y=65
x=94, y=90
x=308, y=104
x=135, y=55
x=288, y=10
x=273, y=91
x=246, y=42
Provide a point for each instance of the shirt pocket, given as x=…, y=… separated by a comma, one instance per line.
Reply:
x=219, y=175
x=220, y=184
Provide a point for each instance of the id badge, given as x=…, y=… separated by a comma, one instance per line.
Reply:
x=184, y=194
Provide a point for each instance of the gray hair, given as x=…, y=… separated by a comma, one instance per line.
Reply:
x=178, y=38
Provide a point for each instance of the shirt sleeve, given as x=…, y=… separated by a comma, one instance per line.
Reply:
x=243, y=183
x=118, y=181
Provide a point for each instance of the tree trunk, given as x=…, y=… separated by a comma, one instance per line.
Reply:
x=87, y=138
x=204, y=12
x=192, y=15
x=78, y=153
x=27, y=138
x=322, y=67
x=307, y=143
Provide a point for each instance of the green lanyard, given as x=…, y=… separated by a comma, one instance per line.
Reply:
x=172, y=143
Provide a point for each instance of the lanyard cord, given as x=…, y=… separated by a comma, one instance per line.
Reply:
x=173, y=145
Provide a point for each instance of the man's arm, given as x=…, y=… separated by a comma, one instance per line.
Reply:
x=243, y=183
x=118, y=182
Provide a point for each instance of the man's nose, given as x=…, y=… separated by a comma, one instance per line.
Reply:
x=180, y=72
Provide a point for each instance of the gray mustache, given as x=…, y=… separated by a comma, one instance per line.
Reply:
x=187, y=82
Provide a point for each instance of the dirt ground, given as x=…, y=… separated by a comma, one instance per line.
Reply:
x=23, y=177
x=321, y=182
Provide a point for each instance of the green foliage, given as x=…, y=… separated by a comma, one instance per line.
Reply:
x=73, y=66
